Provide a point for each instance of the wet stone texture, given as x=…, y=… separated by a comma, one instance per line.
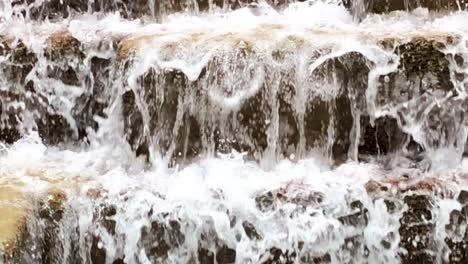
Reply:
x=457, y=233
x=160, y=238
x=37, y=93
x=94, y=100
x=352, y=248
x=39, y=240
x=350, y=71
x=32, y=104
x=423, y=74
x=272, y=121
x=265, y=123
x=423, y=66
x=19, y=64
x=385, y=6
x=56, y=9
x=167, y=235
x=416, y=230
x=416, y=203
x=416, y=242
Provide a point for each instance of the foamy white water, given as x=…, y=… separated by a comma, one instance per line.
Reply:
x=140, y=211
x=213, y=191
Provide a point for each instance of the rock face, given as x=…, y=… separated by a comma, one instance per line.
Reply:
x=188, y=130
x=436, y=5
x=277, y=118
x=13, y=220
x=417, y=230
x=27, y=229
x=457, y=233
x=247, y=101
x=409, y=206
x=275, y=113
x=385, y=6
x=55, y=9
x=52, y=95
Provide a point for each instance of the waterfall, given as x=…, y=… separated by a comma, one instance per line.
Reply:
x=241, y=131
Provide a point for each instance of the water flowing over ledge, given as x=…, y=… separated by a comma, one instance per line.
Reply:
x=262, y=133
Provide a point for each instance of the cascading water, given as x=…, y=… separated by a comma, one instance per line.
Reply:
x=233, y=132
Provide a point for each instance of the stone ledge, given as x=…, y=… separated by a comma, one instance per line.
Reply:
x=13, y=214
x=411, y=199
x=17, y=211
x=384, y=6
x=54, y=9
x=64, y=58
x=421, y=58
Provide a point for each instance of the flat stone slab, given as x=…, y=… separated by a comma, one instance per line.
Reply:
x=20, y=208
x=14, y=207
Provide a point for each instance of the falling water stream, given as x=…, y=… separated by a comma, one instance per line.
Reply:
x=261, y=133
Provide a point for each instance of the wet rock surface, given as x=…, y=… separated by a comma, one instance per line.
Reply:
x=412, y=203
x=56, y=9
x=456, y=240
x=278, y=120
x=160, y=238
x=423, y=74
x=416, y=231
x=386, y=6
x=36, y=238
x=277, y=116
x=12, y=222
x=34, y=100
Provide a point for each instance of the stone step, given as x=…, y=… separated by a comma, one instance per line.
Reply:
x=20, y=210
x=313, y=119
x=54, y=9
x=384, y=6
x=183, y=130
x=13, y=211
x=23, y=97
x=38, y=233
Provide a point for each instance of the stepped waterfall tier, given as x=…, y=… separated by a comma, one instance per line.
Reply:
x=233, y=131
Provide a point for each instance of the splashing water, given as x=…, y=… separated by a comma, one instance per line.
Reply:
x=254, y=133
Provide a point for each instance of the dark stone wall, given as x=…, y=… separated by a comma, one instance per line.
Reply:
x=385, y=6
x=55, y=9
x=412, y=239
x=30, y=99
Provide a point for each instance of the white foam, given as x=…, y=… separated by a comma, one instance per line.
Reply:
x=193, y=192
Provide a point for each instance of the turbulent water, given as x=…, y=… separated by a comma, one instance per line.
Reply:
x=215, y=194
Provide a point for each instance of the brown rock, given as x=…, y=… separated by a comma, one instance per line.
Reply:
x=17, y=215
x=385, y=6
x=226, y=255
x=63, y=45
x=13, y=211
